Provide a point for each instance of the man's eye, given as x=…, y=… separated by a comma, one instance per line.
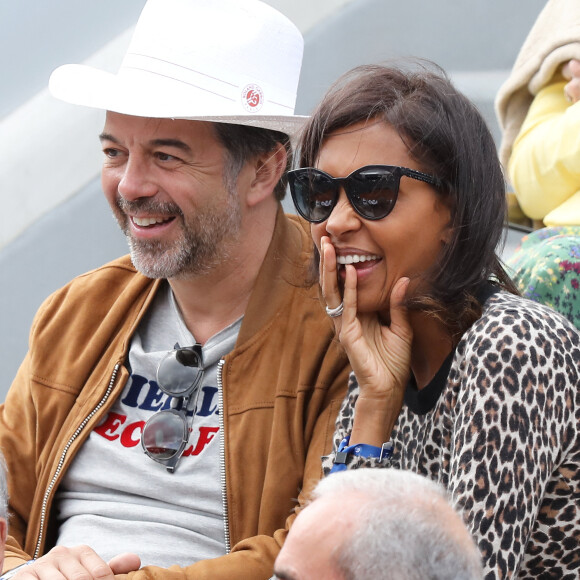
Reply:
x=110, y=152
x=165, y=156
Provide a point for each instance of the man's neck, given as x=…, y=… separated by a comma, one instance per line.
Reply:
x=211, y=302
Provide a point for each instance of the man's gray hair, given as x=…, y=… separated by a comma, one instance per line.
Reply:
x=405, y=529
x=242, y=143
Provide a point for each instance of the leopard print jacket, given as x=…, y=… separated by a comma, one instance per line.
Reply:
x=499, y=427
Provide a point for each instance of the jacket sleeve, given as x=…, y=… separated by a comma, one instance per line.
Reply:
x=36, y=408
x=253, y=558
x=544, y=167
x=17, y=441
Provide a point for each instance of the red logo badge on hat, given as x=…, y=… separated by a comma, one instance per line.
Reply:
x=252, y=98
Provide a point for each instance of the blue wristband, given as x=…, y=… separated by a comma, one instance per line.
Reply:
x=359, y=450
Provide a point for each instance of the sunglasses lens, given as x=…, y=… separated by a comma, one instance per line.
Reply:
x=374, y=192
x=164, y=435
x=179, y=372
x=314, y=194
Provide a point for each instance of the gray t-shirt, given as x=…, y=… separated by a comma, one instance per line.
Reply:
x=116, y=499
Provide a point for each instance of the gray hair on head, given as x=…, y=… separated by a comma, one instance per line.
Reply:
x=243, y=142
x=406, y=528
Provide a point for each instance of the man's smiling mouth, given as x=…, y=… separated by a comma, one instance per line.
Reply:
x=150, y=221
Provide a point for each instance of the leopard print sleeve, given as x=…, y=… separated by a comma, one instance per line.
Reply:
x=514, y=454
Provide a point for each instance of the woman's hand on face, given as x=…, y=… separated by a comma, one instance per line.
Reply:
x=380, y=355
x=571, y=71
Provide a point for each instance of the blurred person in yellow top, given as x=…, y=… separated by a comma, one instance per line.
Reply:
x=540, y=150
x=544, y=166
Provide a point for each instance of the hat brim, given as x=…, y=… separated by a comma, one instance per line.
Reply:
x=163, y=98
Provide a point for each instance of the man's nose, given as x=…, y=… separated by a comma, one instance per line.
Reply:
x=136, y=180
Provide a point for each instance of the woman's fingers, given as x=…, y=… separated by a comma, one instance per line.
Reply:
x=349, y=295
x=350, y=329
x=373, y=350
x=321, y=266
x=398, y=337
x=329, y=274
x=329, y=281
x=398, y=312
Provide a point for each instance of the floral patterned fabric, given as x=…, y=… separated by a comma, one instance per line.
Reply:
x=546, y=269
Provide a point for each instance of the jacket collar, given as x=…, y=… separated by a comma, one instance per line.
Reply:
x=287, y=261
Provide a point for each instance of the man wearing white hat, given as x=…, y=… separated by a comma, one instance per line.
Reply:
x=173, y=404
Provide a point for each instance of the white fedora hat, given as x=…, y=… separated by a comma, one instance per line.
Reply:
x=232, y=61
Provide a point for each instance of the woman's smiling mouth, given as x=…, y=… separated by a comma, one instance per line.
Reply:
x=356, y=258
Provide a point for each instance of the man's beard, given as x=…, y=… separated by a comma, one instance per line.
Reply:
x=205, y=241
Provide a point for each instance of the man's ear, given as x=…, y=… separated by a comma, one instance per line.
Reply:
x=268, y=169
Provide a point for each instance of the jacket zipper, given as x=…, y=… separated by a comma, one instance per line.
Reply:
x=63, y=457
x=220, y=383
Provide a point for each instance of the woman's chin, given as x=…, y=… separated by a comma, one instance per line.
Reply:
x=372, y=307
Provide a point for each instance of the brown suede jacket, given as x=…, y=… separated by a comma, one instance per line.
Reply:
x=282, y=387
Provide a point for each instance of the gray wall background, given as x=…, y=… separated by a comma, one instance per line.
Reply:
x=476, y=41
x=37, y=36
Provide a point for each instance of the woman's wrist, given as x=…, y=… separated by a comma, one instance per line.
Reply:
x=373, y=422
x=361, y=451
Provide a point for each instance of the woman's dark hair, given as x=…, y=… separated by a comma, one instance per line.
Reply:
x=448, y=138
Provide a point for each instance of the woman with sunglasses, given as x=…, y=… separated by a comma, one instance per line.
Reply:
x=455, y=376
